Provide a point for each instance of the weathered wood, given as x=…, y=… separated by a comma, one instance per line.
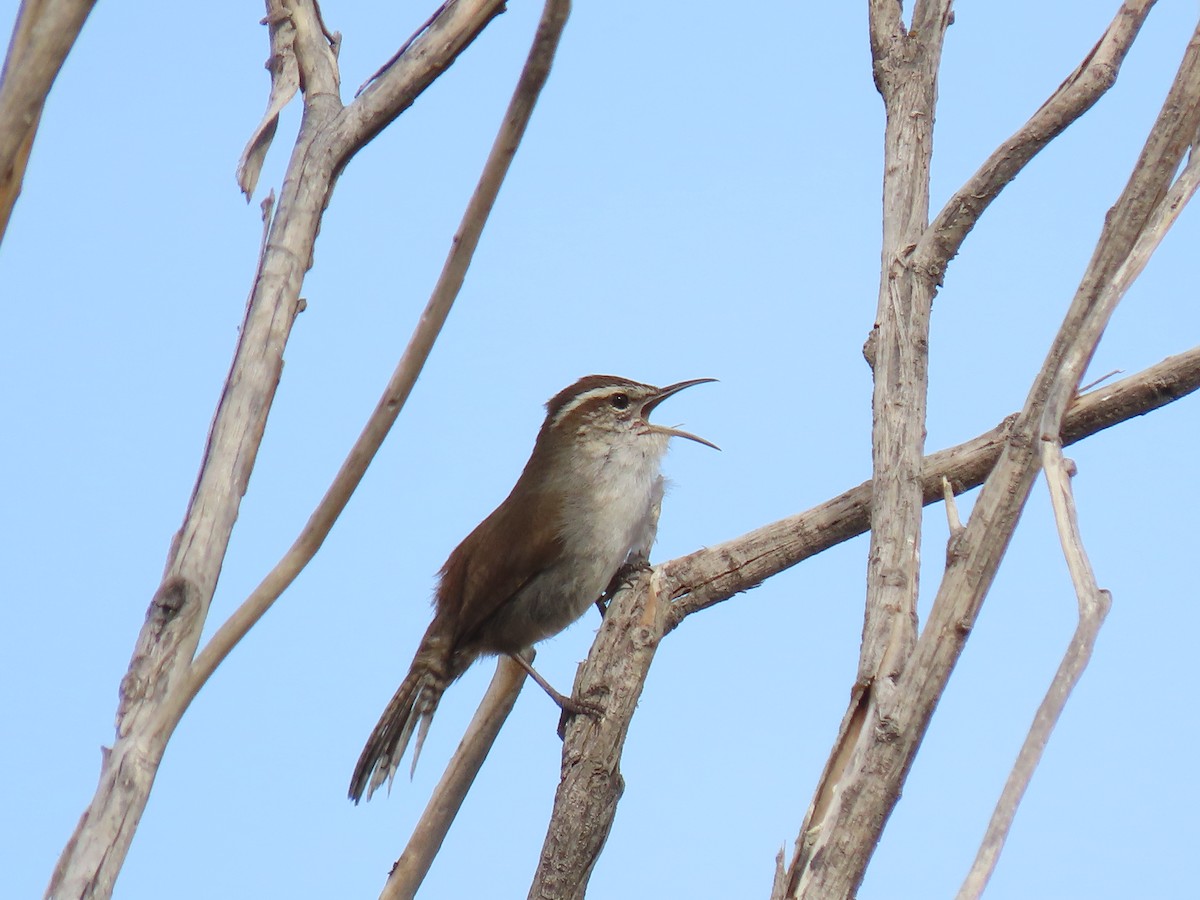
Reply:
x=645, y=611
x=43, y=35
x=153, y=698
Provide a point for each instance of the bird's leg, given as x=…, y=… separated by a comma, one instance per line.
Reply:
x=569, y=705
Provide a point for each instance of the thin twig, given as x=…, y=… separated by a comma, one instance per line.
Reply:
x=426, y=840
x=1096, y=382
x=952, y=519
x=1155, y=228
x=1094, y=604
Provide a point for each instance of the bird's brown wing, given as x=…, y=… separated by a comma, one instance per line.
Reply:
x=476, y=581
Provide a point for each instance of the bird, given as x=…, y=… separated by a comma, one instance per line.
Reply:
x=584, y=509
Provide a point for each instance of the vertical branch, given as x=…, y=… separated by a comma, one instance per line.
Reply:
x=905, y=64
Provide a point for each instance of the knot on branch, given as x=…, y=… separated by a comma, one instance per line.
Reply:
x=643, y=637
x=870, y=345
x=175, y=599
x=886, y=730
x=171, y=598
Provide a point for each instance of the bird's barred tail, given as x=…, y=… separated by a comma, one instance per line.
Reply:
x=411, y=709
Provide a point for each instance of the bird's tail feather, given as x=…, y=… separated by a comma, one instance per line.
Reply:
x=411, y=709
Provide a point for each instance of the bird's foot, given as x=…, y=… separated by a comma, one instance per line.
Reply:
x=628, y=571
x=569, y=705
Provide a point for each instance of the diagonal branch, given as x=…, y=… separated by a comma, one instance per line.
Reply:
x=591, y=784
x=1094, y=604
x=413, y=865
x=898, y=726
x=43, y=35
x=721, y=572
x=163, y=655
x=638, y=618
x=466, y=239
x=1076, y=95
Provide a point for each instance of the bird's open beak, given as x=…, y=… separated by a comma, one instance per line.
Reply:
x=663, y=394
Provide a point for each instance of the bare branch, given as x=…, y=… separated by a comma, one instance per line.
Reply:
x=393, y=90
x=285, y=81
x=952, y=518
x=872, y=781
x=639, y=616
x=906, y=74
x=395, y=57
x=905, y=70
x=413, y=865
x=715, y=574
x=886, y=25
x=1159, y=221
x=43, y=35
x=161, y=667
x=1075, y=96
x=1094, y=604
x=466, y=239
x=586, y=800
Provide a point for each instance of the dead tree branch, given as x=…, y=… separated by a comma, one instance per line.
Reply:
x=842, y=834
x=330, y=135
x=718, y=573
x=1094, y=604
x=44, y=33
x=636, y=621
x=591, y=784
x=906, y=67
x=462, y=249
x=1076, y=95
x=447, y=798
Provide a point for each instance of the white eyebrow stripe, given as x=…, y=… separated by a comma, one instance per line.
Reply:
x=567, y=409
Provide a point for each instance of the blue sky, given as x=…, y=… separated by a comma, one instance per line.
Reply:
x=698, y=195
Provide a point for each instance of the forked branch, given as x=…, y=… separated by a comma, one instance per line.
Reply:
x=897, y=728
x=162, y=679
x=637, y=620
x=395, y=394
x=1076, y=95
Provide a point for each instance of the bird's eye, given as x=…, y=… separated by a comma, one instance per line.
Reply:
x=620, y=401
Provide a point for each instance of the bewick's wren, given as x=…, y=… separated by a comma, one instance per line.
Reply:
x=586, y=504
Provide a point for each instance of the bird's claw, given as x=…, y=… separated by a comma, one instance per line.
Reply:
x=628, y=571
x=572, y=707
